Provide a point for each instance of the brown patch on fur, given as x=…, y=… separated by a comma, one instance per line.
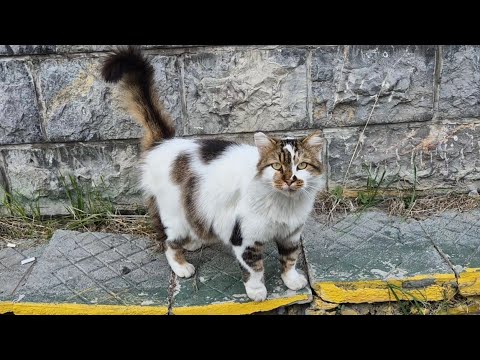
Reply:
x=288, y=254
x=310, y=153
x=177, y=243
x=253, y=256
x=156, y=222
x=179, y=255
x=180, y=170
x=211, y=149
x=269, y=155
x=177, y=247
x=182, y=174
x=149, y=112
x=136, y=76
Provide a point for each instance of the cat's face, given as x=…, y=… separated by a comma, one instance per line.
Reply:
x=290, y=165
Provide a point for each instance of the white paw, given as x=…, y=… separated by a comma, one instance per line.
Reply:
x=258, y=293
x=192, y=245
x=293, y=280
x=183, y=270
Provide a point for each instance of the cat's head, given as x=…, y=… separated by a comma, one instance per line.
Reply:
x=290, y=165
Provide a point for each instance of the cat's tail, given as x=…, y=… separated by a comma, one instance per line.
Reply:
x=136, y=76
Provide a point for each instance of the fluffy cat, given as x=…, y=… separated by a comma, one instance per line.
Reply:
x=201, y=191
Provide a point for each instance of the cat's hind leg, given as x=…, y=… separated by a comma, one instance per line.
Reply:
x=177, y=237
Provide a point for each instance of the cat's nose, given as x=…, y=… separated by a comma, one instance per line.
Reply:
x=290, y=181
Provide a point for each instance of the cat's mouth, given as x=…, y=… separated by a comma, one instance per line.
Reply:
x=289, y=189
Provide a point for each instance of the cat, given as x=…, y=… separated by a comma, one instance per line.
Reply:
x=206, y=190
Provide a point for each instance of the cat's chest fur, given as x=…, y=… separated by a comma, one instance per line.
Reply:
x=275, y=216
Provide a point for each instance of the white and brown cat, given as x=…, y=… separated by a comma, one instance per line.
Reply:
x=201, y=191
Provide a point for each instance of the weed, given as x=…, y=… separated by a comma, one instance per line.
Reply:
x=412, y=305
x=368, y=197
x=20, y=206
x=87, y=204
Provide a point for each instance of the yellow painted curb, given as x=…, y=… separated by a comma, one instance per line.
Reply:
x=79, y=309
x=438, y=287
x=469, y=282
x=232, y=308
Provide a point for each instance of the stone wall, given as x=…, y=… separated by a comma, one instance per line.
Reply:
x=400, y=107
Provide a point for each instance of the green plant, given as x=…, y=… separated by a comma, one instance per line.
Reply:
x=337, y=193
x=375, y=183
x=411, y=303
x=368, y=197
x=87, y=203
x=20, y=206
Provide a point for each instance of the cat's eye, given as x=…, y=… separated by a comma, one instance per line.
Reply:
x=277, y=166
x=302, y=166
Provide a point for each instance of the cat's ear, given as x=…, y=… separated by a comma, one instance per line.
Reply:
x=263, y=142
x=314, y=140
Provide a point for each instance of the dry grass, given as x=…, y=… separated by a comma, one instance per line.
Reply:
x=126, y=224
x=333, y=204
x=424, y=207
x=419, y=208
x=14, y=228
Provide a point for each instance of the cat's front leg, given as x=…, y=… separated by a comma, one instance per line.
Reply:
x=289, y=249
x=250, y=258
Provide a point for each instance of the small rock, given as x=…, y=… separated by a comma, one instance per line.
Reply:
x=281, y=310
x=348, y=311
x=385, y=309
x=473, y=193
x=125, y=270
x=320, y=304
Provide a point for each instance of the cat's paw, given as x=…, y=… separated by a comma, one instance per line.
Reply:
x=192, y=245
x=257, y=293
x=183, y=270
x=293, y=280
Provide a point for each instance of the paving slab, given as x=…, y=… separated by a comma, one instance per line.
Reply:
x=13, y=274
x=457, y=236
x=94, y=273
x=102, y=273
x=371, y=257
x=217, y=288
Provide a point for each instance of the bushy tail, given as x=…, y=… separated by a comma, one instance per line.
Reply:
x=136, y=76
